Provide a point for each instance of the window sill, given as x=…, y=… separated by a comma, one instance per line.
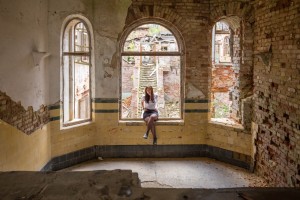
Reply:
x=159, y=122
x=75, y=124
x=222, y=64
x=226, y=122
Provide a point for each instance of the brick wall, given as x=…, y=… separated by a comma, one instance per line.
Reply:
x=222, y=78
x=277, y=91
x=236, y=65
x=16, y=115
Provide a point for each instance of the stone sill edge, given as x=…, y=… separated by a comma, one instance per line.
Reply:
x=235, y=126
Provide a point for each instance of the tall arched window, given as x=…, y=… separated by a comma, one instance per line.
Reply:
x=76, y=73
x=151, y=56
x=226, y=64
x=222, y=71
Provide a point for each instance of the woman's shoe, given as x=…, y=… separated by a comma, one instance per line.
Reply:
x=154, y=141
x=145, y=136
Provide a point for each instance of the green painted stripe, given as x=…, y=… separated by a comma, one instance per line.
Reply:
x=104, y=100
x=54, y=118
x=196, y=110
x=54, y=107
x=105, y=111
x=196, y=101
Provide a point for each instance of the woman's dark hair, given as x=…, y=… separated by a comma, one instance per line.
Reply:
x=147, y=96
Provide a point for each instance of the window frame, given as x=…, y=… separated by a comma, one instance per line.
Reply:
x=180, y=52
x=80, y=19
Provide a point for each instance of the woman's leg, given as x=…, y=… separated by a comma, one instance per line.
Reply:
x=153, y=130
x=147, y=131
x=151, y=125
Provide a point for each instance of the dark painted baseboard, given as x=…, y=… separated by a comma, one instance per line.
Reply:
x=147, y=151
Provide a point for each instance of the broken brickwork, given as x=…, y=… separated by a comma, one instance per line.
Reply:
x=222, y=78
x=25, y=120
x=277, y=91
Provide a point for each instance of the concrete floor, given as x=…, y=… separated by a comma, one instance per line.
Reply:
x=117, y=185
x=78, y=184
x=178, y=173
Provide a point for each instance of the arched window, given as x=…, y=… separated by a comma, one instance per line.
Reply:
x=151, y=56
x=76, y=73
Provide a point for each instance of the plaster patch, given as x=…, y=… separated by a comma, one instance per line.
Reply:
x=38, y=57
x=193, y=92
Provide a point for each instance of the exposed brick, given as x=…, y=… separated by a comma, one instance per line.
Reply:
x=274, y=29
x=277, y=98
x=25, y=120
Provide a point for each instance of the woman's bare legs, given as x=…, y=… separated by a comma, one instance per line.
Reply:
x=147, y=131
x=151, y=126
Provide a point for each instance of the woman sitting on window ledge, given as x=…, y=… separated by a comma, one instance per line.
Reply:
x=150, y=115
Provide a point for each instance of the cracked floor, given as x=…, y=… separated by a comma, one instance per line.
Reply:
x=178, y=172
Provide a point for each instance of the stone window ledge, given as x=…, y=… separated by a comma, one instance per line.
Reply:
x=222, y=64
x=158, y=123
x=76, y=125
x=226, y=122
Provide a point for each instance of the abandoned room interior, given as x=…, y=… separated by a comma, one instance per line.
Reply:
x=73, y=73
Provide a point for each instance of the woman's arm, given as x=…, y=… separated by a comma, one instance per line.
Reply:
x=142, y=102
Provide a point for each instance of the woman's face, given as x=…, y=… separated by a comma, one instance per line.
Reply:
x=148, y=90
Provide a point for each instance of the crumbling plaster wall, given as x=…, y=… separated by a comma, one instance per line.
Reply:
x=24, y=31
x=24, y=85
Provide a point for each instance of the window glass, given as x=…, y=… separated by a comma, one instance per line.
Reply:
x=76, y=74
